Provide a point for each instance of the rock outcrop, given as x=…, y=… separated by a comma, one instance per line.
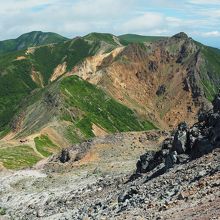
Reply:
x=186, y=143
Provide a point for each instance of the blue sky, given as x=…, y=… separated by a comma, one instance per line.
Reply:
x=200, y=19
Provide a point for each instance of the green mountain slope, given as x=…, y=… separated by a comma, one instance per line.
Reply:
x=35, y=38
x=210, y=71
x=22, y=72
x=104, y=37
x=15, y=84
x=80, y=104
x=134, y=38
x=72, y=109
x=99, y=108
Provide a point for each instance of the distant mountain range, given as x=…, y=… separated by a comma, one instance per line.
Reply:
x=34, y=38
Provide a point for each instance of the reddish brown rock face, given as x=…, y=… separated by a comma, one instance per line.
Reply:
x=134, y=73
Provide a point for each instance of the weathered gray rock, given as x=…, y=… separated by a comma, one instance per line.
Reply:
x=179, y=143
x=171, y=159
x=183, y=158
x=127, y=195
x=149, y=161
x=186, y=144
x=201, y=146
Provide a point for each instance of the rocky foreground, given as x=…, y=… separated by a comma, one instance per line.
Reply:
x=180, y=181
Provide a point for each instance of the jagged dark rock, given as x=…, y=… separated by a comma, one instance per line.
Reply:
x=179, y=143
x=186, y=143
x=200, y=147
x=183, y=54
x=149, y=161
x=170, y=159
x=64, y=157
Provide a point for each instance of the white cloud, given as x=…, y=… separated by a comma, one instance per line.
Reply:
x=79, y=17
x=68, y=17
x=100, y=8
x=205, y=2
x=145, y=22
x=210, y=13
x=12, y=6
x=211, y=34
x=150, y=23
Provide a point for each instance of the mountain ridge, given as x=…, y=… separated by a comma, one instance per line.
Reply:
x=161, y=82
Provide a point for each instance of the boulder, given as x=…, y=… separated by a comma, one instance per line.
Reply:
x=64, y=157
x=171, y=159
x=194, y=131
x=182, y=158
x=143, y=162
x=183, y=126
x=149, y=161
x=202, y=117
x=167, y=143
x=213, y=119
x=179, y=142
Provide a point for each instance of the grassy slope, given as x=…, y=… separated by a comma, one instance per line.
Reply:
x=105, y=37
x=45, y=59
x=34, y=38
x=15, y=84
x=18, y=157
x=98, y=108
x=134, y=38
x=81, y=104
x=15, y=76
x=45, y=146
x=210, y=71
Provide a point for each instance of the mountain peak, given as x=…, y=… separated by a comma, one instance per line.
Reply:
x=181, y=35
x=34, y=38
